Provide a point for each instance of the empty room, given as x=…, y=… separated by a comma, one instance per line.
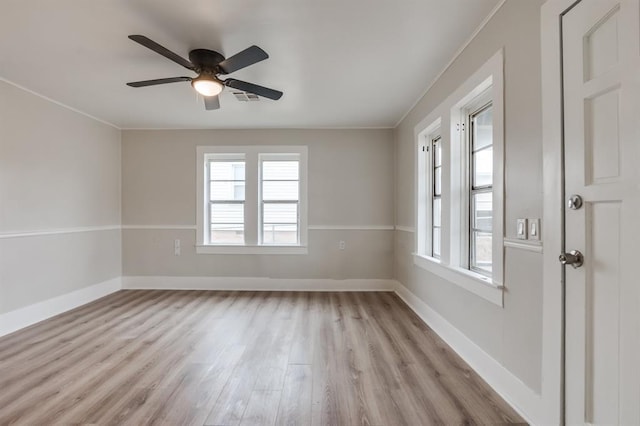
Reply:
x=363, y=212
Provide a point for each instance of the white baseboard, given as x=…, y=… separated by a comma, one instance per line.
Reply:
x=524, y=400
x=29, y=315
x=256, y=284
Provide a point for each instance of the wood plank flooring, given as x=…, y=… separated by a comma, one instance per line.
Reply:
x=240, y=358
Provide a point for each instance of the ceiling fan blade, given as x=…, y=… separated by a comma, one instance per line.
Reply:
x=248, y=56
x=253, y=88
x=211, y=102
x=158, y=81
x=150, y=44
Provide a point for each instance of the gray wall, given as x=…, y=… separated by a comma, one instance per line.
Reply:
x=350, y=184
x=513, y=334
x=58, y=170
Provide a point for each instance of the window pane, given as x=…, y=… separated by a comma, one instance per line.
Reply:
x=437, y=175
x=483, y=168
x=226, y=191
x=436, y=242
x=226, y=234
x=483, y=128
x=483, y=211
x=279, y=234
x=280, y=213
x=436, y=211
x=227, y=213
x=280, y=191
x=280, y=170
x=226, y=170
x=437, y=153
x=481, y=251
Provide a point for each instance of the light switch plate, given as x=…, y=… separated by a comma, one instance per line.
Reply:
x=534, y=229
x=521, y=229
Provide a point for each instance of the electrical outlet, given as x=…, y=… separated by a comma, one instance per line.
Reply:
x=534, y=229
x=521, y=229
x=176, y=248
x=342, y=245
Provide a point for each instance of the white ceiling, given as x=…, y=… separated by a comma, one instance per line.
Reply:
x=340, y=63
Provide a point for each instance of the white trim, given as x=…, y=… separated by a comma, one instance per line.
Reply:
x=552, y=286
x=262, y=128
x=46, y=98
x=474, y=283
x=310, y=227
x=29, y=315
x=161, y=227
x=244, y=249
x=524, y=400
x=256, y=284
x=535, y=247
x=405, y=228
x=351, y=227
x=41, y=232
x=453, y=59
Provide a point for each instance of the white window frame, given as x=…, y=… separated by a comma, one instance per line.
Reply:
x=425, y=186
x=251, y=155
x=262, y=157
x=451, y=116
x=477, y=105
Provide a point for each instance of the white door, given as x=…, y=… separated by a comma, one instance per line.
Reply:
x=601, y=81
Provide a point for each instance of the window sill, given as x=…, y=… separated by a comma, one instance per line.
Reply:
x=240, y=249
x=473, y=282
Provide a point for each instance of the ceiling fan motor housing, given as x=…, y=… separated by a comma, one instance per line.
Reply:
x=206, y=60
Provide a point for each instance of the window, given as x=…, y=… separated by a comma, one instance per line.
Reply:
x=480, y=235
x=226, y=199
x=280, y=198
x=251, y=200
x=436, y=196
x=459, y=185
x=430, y=189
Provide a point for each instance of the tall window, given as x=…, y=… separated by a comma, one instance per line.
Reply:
x=226, y=200
x=459, y=186
x=251, y=199
x=280, y=198
x=481, y=189
x=436, y=196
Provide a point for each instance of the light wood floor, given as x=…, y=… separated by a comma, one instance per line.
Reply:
x=227, y=358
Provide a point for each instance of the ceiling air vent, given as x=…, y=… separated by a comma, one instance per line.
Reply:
x=246, y=97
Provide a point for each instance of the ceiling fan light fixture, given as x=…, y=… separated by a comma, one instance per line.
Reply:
x=207, y=85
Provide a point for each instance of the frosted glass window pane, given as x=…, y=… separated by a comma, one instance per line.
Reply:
x=279, y=234
x=280, y=170
x=483, y=168
x=436, y=211
x=226, y=170
x=483, y=211
x=481, y=250
x=284, y=191
x=280, y=213
x=227, y=213
x=226, y=191
x=483, y=129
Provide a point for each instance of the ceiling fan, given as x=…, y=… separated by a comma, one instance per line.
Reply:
x=209, y=64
